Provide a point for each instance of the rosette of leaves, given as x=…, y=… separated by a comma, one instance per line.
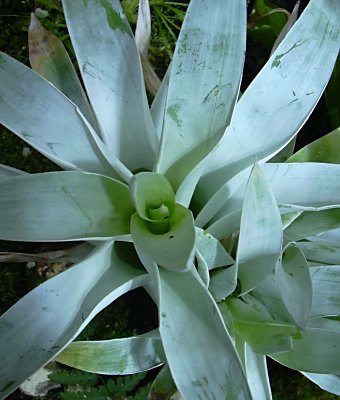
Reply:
x=209, y=183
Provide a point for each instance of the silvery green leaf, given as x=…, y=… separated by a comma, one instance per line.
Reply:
x=173, y=249
x=163, y=387
x=223, y=282
x=285, y=180
x=227, y=199
x=295, y=285
x=143, y=27
x=149, y=191
x=142, y=38
x=263, y=330
x=212, y=250
x=321, y=183
x=265, y=120
x=210, y=50
x=7, y=172
x=226, y=225
x=288, y=217
x=260, y=239
x=49, y=58
x=255, y=366
x=113, y=79
x=190, y=320
x=328, y=382
x=58, y=206
x=268, y=294
x=324, y=150
x=317, y=349
x=158, y=105
x=284, y=154
x=311, y=223
x=187, y=187
x=332, y=237
x=42, y=116
x=326, y=290
x=46, y=320
x=325, y=253
x=116, y=356
x=202, y=268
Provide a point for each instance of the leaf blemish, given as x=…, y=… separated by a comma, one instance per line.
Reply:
x=173, y=112
x=114, y=20
x=277, y=60
x=213, y=92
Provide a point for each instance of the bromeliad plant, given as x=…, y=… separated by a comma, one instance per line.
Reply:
x=240, y=254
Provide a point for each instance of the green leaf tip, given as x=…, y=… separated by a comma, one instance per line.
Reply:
x=152, y=195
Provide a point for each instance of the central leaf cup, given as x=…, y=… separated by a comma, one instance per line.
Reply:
x=161, y=229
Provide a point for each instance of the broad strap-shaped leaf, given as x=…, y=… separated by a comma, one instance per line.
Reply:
x=295, y=285
x=332, y=237
x=142, y=38
x=324, y=253
x=288, y=218
x=163, y=387
x=211, y=254
x=42, y=116
x=262, y=329
x=226, y=225
x=260, y=240
x=324, y=150
x=311, y=223
x=143, y=27
x=320, y=182
x=284, y=154
x=316, y=350
x=49, y=58
x=212, y=250
x=202, y=269
x=158, y=105
x=204, y=83
x=46, y=320
x=280, y=99
x=326, y=290
x=268, y=294
x=212, y=207
x=8, y=172
x=223, y=282
x=255, y=366
x=200, y=353
x=173, y=249
x=109, y=63
x=328, y=382
x=58, y=206
x=186, y=189
x=116, y=356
